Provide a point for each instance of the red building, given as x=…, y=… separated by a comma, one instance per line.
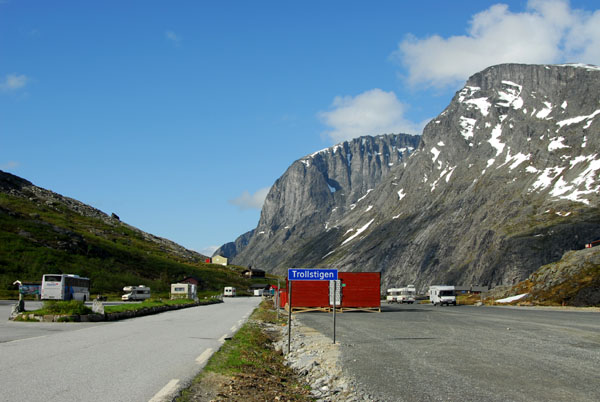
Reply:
x=360, y=291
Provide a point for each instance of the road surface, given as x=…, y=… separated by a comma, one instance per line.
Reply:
x=465, y=353
x=142, y=359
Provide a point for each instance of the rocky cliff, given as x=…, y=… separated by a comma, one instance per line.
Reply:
x=314, y=192
x=504, y=181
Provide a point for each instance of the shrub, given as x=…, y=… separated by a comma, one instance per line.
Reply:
x=71, y=307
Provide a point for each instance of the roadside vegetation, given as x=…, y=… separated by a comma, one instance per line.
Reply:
x=247, y=367
x=468, y=299
x=154, y=303
x=74, y=307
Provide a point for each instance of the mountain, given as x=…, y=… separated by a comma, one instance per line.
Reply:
x=314, y=192
x=45, y=232
x=504, y=181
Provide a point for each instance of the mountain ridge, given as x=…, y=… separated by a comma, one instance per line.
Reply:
x=318, y=189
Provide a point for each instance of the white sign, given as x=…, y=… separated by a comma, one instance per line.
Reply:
x=338, y=292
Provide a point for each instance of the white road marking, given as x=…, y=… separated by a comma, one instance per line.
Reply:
x=26, y=339
x=222, y=339
x=204, y=356
x=165, y=394
x=234, y=328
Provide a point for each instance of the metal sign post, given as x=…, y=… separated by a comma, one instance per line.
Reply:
x=289, y=314
x=277, y=299
x=335, y=299
x=334, y=304
x=308, y=274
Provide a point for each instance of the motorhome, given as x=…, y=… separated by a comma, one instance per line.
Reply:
x=440, y=295
x=229, y=291
x=402, y=295
x=184, y=291
x=132, y=293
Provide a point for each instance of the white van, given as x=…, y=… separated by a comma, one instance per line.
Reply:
x=440, y=295
x=229, y=291
x=136, y=293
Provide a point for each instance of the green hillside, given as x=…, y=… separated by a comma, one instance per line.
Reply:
x=44, y=235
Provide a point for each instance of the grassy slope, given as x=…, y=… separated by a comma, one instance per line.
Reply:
x=37, y=239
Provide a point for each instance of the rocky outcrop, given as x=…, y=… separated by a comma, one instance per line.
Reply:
x=574, y=281
x=504, y=181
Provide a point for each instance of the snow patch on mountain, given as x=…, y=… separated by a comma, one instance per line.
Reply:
x=577, y=119
x=545, y=179
x=467, y=125
x=495, y=139
x=358, y=232
x=556, y=143
x=544, y=113
x=401, y=194
x=510, y=95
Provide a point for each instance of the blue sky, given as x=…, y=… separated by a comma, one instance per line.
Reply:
x=179, y=115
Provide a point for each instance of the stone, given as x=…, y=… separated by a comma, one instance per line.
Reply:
x=98, y=307
x=17, y=308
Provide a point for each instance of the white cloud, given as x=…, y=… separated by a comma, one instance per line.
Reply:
x=13, y=81
x=208, y=250
x=370, y=113
x=9, y=165
x=549, y=31
x=251, y=201
x=173, y=37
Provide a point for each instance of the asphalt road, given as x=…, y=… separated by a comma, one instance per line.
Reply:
x=142, y=359
x=465, y=353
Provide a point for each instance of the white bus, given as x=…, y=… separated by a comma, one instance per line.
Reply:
x=65, y=287
x=229, y=291
x=135, y=293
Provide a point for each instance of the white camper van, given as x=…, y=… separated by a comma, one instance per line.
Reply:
x=136, y=293
x=229, y=292
x=402, y=295
x=439, y=295
x=184, y=291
